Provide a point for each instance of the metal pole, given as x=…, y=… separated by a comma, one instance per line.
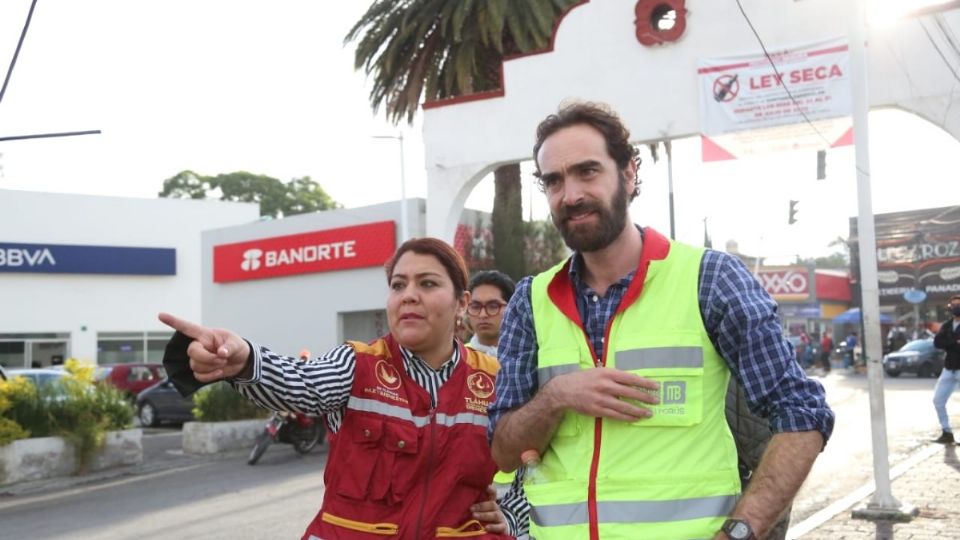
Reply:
x=404, y=232
x=669, y=147
x=882, y=504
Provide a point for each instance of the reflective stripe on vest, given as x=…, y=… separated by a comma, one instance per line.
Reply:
x=664, y=357
x=556, y=515
x=402, y=413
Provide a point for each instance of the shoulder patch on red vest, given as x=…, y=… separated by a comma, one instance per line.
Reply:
x=482, y=361
x=378, y=348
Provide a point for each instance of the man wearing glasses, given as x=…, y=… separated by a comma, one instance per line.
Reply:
x=490, y=291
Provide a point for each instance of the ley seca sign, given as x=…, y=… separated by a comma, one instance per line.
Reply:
x=320, y=251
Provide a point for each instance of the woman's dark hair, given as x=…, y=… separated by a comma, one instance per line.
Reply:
x=601, y=118
x=451, y=260
x=497, y=279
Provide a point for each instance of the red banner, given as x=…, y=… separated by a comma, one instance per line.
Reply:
x=320, y=251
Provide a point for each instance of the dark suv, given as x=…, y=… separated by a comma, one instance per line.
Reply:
x=162, y=403
x=918, y=356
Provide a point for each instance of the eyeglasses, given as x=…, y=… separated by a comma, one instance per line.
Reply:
x=492, y=307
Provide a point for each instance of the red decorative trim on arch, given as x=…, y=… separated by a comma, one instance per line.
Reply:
x=500, y=92
x=649, y=36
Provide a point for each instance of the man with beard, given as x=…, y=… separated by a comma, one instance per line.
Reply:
x=615, y=364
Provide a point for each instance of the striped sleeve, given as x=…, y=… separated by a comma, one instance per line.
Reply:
x=314, y=387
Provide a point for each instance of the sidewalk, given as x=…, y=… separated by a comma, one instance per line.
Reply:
x=929, y=480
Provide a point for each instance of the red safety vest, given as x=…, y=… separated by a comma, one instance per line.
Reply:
x=399, y=469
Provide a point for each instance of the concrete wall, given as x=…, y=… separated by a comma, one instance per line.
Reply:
x=49, y=457
x=214, y=437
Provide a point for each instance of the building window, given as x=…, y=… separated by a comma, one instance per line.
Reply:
x=362, y=325
x=34, y=350
x=131, y=347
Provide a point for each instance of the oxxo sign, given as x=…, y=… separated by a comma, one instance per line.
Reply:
x=786, y=284
x=320, y=251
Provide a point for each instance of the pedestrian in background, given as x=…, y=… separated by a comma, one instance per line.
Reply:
x=948, y=339
x=850, y=345
x=628, y=346
x=490, y=290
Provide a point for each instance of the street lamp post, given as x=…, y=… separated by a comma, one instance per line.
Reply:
x=404, y=233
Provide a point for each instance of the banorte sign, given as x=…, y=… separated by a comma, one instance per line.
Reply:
x=344, y=248
x=786, y=283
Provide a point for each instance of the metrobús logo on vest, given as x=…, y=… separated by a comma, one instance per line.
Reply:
x=30, y=258
x=673, y=398
x=317, y=251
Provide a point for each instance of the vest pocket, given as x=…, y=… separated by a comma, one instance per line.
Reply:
x=399, y=452
x=360, y=460
x=681, y=397
x=381, y=464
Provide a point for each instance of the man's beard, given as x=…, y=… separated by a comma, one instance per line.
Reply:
x=610, y=222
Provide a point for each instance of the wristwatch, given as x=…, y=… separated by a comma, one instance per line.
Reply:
x=737, y=529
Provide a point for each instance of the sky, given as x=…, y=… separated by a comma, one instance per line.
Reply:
x=219, y=86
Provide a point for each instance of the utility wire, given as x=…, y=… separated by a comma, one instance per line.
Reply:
x=937, y=47
x=947, y=33
x=50, y=135
x=780, y=77
x=16, y=53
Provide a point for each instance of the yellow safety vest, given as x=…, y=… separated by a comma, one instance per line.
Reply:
x=671, y=476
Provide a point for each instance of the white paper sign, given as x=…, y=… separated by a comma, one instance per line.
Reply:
x=745, y=107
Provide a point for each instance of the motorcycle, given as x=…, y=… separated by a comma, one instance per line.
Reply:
x=302, y=431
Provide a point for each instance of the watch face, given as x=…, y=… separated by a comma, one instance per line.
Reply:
x=740, y=530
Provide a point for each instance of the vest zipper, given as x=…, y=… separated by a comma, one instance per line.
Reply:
x=428, y=472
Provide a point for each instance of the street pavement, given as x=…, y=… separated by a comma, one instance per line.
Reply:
x=927, y=479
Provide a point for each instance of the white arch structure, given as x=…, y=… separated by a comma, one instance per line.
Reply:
x=595, y=55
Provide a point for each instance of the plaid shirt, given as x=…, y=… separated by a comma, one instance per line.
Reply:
x=740, y=319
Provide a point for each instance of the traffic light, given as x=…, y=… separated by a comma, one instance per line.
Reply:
x=821, y=164
x=793, y=212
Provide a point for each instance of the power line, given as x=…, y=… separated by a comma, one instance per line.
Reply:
x=947, y=33
x=780, y=77
x=16, y=53
x=50, y=135
x=937, y=47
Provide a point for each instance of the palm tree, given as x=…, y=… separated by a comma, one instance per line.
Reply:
x=433, y=49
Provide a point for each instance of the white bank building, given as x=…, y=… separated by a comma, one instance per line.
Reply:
x=84, y=276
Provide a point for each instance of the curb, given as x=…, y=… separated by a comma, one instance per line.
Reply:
x=847, y=502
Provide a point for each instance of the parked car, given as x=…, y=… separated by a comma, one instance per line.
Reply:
x=130, y=379
x=918, y=356
x=41, y=377
x=162, y=403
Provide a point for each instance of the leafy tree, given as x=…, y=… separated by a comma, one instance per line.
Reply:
x=435, y=49
x=544, y=246
x=276, y=199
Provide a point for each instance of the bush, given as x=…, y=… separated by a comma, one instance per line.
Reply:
x=11, y=431
x=219, y=402
x=75, y=409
